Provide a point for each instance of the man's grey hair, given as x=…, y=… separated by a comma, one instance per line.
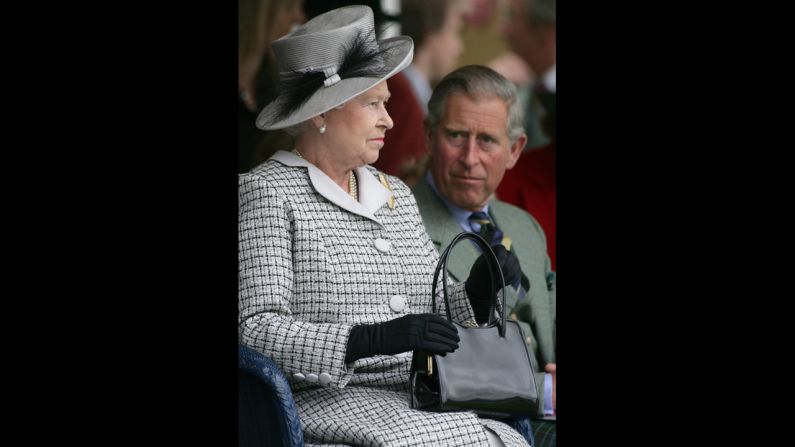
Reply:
x=477, y=82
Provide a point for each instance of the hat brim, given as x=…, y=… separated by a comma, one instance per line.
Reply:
x=326, y=98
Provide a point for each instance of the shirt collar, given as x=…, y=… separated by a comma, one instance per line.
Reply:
x=372, y=194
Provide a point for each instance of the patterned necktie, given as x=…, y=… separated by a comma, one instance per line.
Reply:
x=489, y=231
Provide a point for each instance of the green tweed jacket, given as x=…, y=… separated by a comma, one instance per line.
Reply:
x=536, y=312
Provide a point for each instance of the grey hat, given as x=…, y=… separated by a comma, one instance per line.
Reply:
x=328, y=60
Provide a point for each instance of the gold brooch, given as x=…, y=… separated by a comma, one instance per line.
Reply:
x=386, y=184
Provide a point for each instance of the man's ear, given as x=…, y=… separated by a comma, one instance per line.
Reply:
x=516, y=150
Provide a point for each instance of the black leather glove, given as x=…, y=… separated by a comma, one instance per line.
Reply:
x=428, y=332
x=478, y=286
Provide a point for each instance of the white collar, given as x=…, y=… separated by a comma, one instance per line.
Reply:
x=372, y=194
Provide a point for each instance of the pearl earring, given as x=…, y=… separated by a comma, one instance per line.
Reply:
x=322, y=129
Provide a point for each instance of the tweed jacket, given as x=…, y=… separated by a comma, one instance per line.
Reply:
x=536, y=312
x=312, y=263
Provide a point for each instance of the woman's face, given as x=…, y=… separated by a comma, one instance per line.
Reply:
x=355, y=133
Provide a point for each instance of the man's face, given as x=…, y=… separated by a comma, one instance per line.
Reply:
x=470, y=149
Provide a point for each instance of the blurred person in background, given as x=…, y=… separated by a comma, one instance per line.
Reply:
x=530, y=30
x=532, y=184
x=260, y=22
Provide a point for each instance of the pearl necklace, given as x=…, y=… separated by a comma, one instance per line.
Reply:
x=353, y=184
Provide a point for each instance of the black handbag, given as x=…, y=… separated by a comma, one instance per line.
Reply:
x=489, y=373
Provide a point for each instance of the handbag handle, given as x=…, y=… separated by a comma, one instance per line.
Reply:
x=491, y=262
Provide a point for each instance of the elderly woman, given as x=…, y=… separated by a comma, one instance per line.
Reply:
x=335, y=266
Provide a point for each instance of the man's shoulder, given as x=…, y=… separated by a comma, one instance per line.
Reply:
x=508, y=211
x=435, y=215
x=505, y=213
x=425, y=197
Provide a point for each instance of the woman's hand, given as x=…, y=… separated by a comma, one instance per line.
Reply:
x=427, y=332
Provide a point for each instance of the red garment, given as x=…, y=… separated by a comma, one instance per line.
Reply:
x=530, y=185
x=404, y=144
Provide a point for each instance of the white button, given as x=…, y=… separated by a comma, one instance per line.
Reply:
x=311, y=378
x=299, y=376
x=325, y=378
x=397, y=303
x=383, y=245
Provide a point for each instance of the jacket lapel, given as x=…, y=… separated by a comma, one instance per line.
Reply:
x=372, y=194
x=514, y=229
x=442, y=228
